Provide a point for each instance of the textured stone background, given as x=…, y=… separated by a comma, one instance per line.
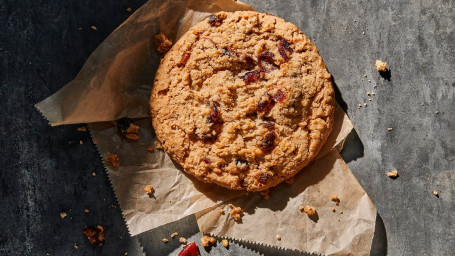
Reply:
x=44, y=170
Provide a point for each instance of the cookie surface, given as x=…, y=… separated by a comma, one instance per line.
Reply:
x=243, y=100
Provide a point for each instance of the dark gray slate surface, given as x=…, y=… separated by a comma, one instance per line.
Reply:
x=45, y=170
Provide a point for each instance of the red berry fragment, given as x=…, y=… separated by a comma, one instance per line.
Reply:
x=268, y=141
x=264, y=177
x=284, y=48
x=266, y=62
x=269, y=125
x=252, y=76
x=215, y=20
x=185, y=57
x=265, y=103
x=214, y=115
x=280, y=95
x=190, y=250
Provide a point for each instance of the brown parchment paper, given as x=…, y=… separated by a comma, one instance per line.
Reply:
x=115, y=82
x=347, y=231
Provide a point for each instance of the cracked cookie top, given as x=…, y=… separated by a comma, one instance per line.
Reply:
x=243, y=100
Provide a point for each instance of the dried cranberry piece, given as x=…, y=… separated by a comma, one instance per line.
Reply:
x=268, y=141
x=189, y=250
x=269, y=125
x=283, y=48
x=184, y=59
x=252, y=76
x=265, y=103
x=264, y=177
x=280, y=95
x=214, y=115
x=215, y=20
x=266, y=62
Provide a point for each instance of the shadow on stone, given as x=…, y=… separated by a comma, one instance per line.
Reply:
x=387, y=75
x=379, y=244
x=353, y=147
x=339, y=97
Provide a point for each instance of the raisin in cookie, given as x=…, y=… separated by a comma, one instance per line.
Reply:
x=243, y=100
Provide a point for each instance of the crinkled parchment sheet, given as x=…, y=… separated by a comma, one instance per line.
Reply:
x=115, y=82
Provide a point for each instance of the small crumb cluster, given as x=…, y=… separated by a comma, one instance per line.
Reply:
x=236, y=213
x=278, y=237
x=95, y=235
x=182, y=240
x=381, y=66
x=63, y=215
x=225, y=243
x=207, y=240
x=127, y=127
x=335, y=199
x=149, y=190
x=163, y=44
x=158, y=144
x=309, y=210
x=112, y=160
x=393, y=174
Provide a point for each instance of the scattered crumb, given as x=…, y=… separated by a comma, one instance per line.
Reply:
x=225, y=243
x=182, y=240
x=149, y=190
x=236, y=213
x=81, y=142
x=278, y=237
x=363, y=33
x=158, y=144
x=368, y=93
x=436, y=112
x=381, y=66
x=301, y=208
x=150, y=148
x=365, y=104
x=221, y=211
x=373, y=93
x=266, y=194
x=132, y=136
x=364, y=75
x=375, y=85
x=436, y=193
x=333, y=209
x=231, y=206
x=360, y=105
x=75, y=246
x=335, y=199
x=393, y=174
x=93, y=173
x=290, y=180
x=174, y=234
x=389, y=129
x=126, y=253
x=112, y=160
x=93, y=28
x=79, y=28
x=82, y=129
x=338, y=219
x=207, y=240
x=341, y=212
x=165, y=240
x=310, y=210
x=63, y=215
x=369, y=99
x=162, y=43
x=95, y=234
x=86, y=210
x=129, y=9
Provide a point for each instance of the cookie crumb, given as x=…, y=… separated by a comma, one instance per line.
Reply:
x=333, y=209
x=82, y=129
x=231, y=206
x=375, y=85
x=221, y=211
x=335, y=199
x=163, y=44
x=174, y=234
x=236, y=213
x=373, y=93
x=365, y=104
x=164, y=240
x=86, y=210
x=93, y=173
x=158, y=144
x=207, y=240
x=310, y=211
x=149, y=190
x=182, y=240
x=63, y=215
x=126, y=253
x=112, y=160
x=95, y=235
x=93, y=27
x=368, y=93
x=381, y=66
x=81, y=142
x=150, y=148
x=278, y=237
x=393, y=174
x=341, y=212
x=75, y=246
x=132, y=136
x=129, y=9
x=435, y=193
x=225, y=243
x=360, y=105
x=436, y=112
x=389, y=129
x=301, y=208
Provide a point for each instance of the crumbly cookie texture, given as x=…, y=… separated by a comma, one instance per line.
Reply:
x=243, y=100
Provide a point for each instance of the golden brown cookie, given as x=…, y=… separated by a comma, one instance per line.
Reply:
x=243, y=100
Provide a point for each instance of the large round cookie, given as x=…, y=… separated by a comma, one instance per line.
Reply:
x=243, y=100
